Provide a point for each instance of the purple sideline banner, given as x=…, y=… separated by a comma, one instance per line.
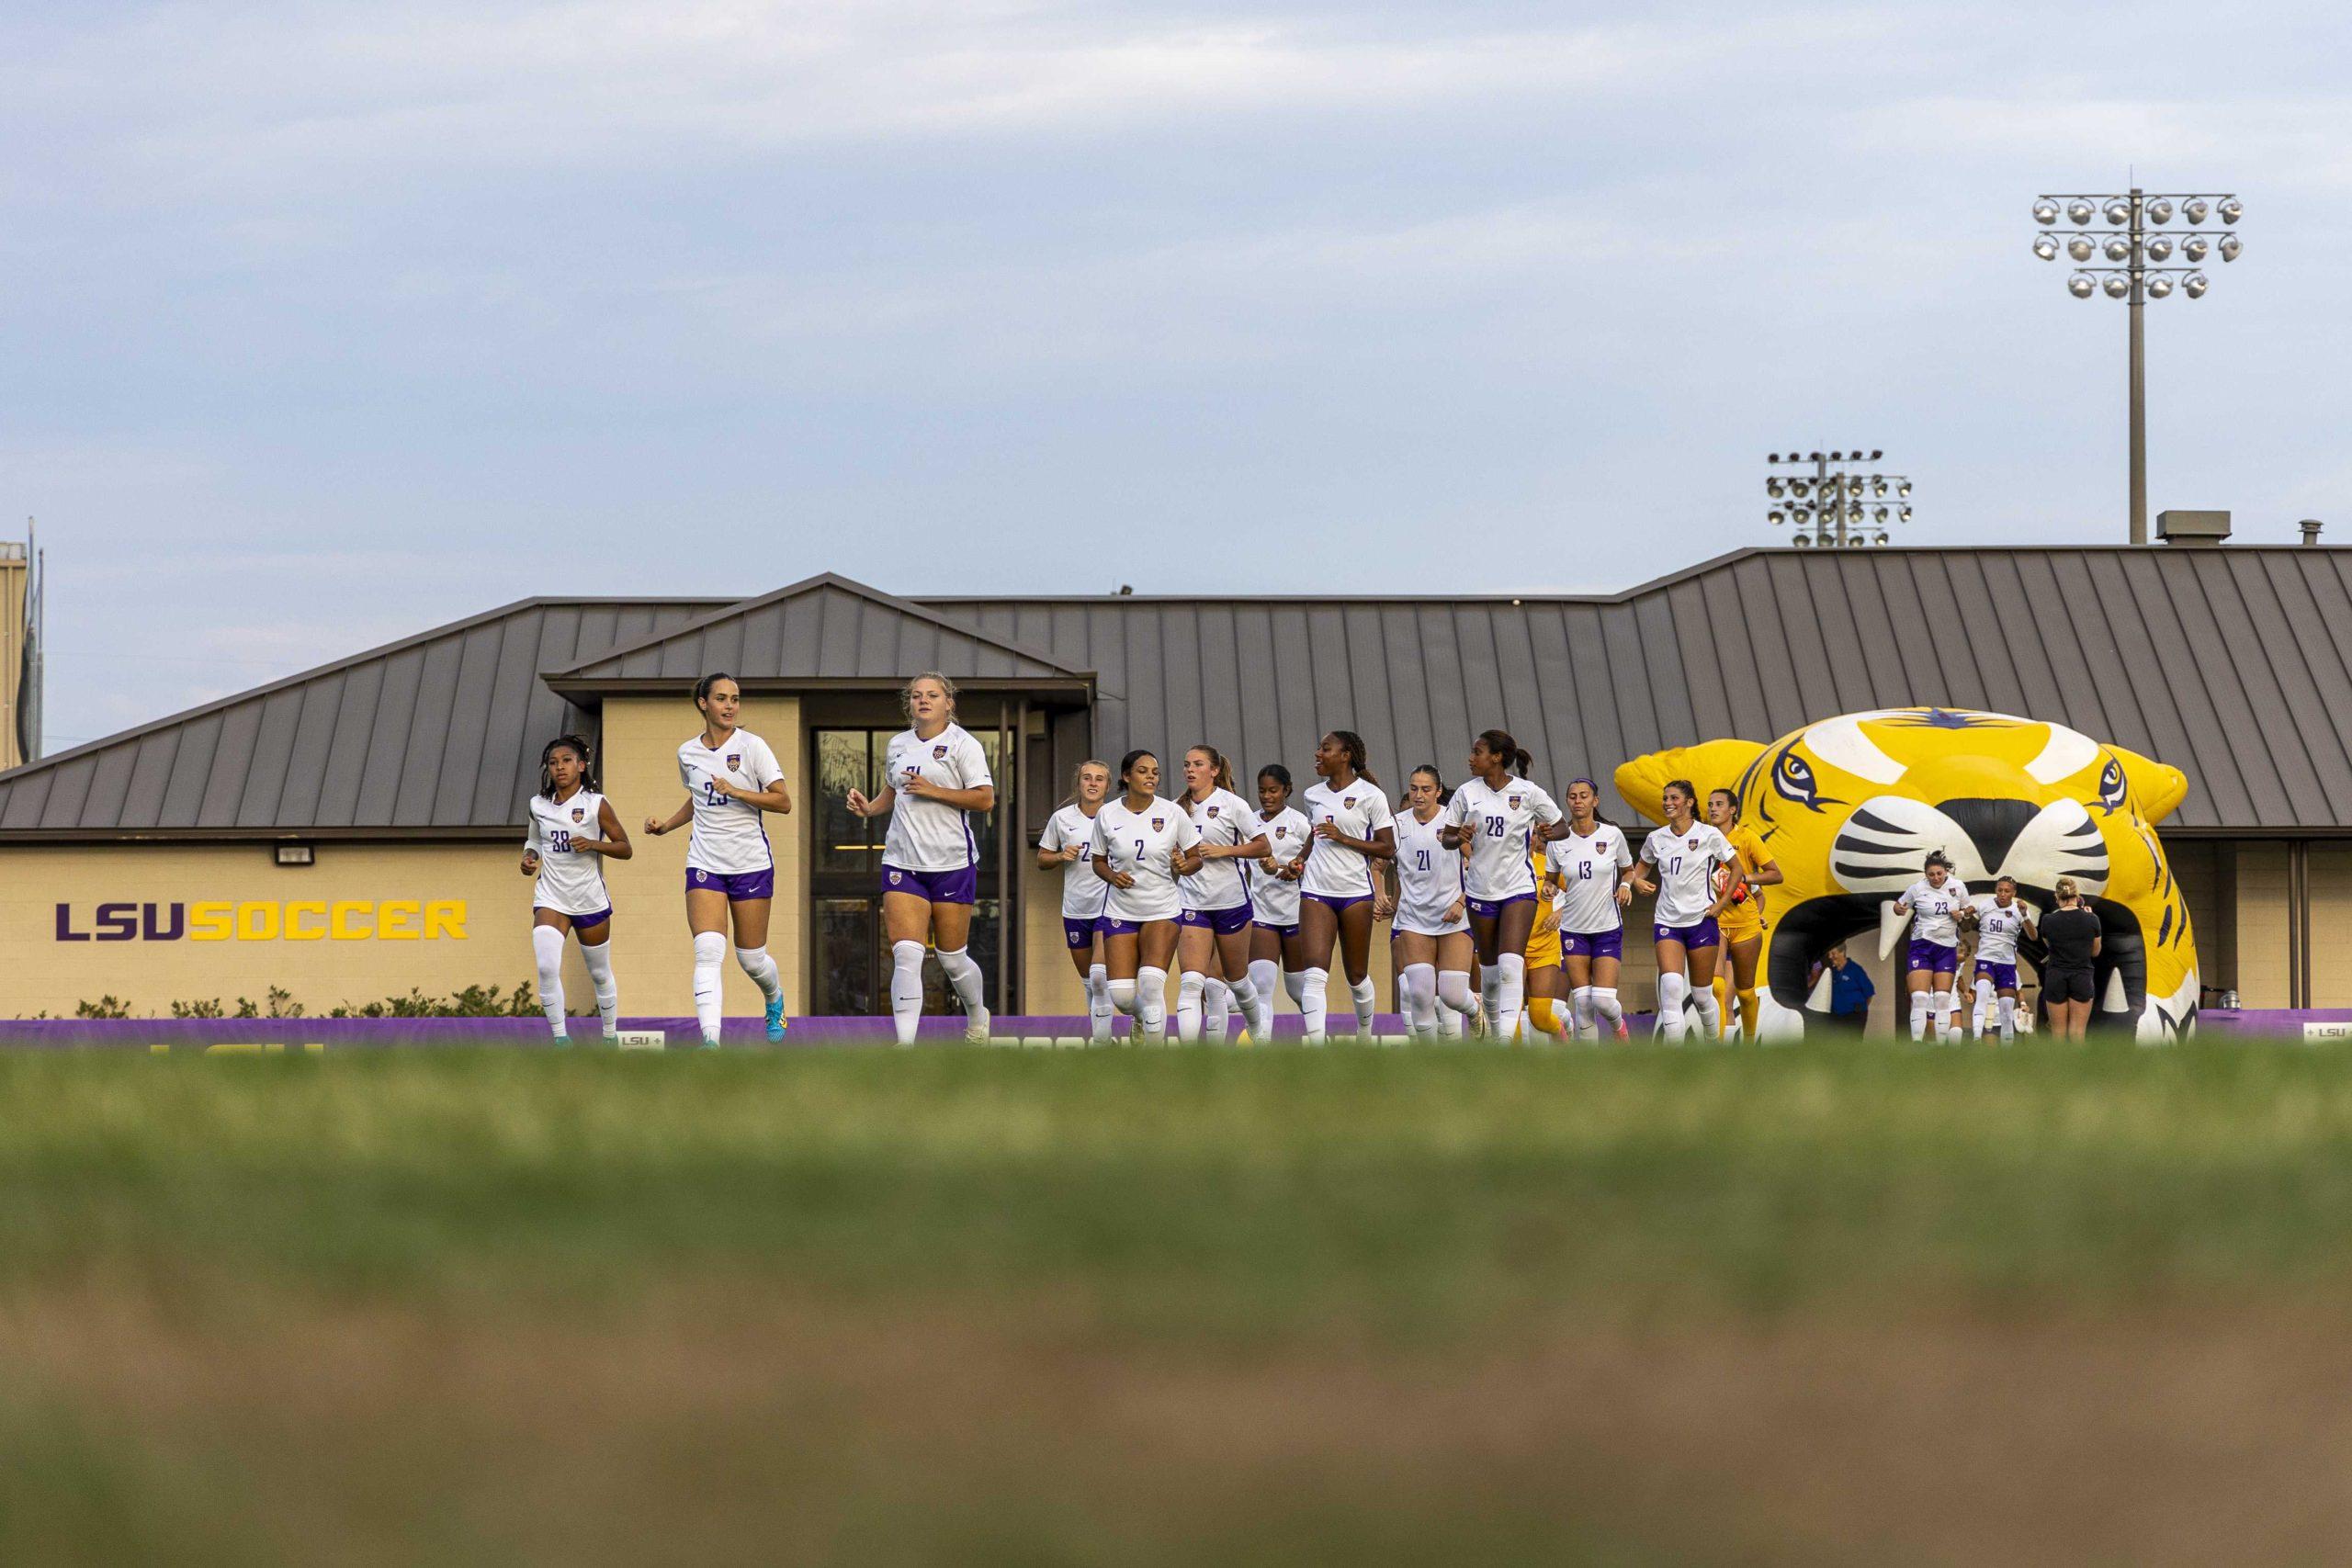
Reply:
x=2316, y=1026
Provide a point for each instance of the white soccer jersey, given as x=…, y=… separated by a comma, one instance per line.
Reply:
x=729, y=838
x=1359, y=811
x=1223, y=818
x=1273, y=900
x=571, y=882
x=1998, y=931
x=1686, y=864
x=1428, y=877
x=1144, y=844
x=1588, y=866
x=925, y=834
x=1082, y=892
x=1501, y=858
x=1932, y=910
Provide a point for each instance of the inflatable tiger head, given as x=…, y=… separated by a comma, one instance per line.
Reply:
x=1848, y=809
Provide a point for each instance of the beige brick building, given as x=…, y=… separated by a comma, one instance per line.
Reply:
x=353, y=833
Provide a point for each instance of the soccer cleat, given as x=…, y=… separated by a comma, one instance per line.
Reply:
x=776, y=1018
x=1623, y=1033
x=707, y=1044
x=560, y=1042
x=976, y=1027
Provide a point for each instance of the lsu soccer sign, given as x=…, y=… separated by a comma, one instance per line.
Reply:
x=301, y=919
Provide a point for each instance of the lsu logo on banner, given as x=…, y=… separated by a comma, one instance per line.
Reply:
x=301, y=919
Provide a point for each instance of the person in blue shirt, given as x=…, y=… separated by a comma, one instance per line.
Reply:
x=1850, y=990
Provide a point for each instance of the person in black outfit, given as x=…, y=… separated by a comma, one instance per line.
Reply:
x=2072, y=932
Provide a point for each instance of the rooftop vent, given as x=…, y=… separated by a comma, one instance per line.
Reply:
x=2310, y=526
x=2192, y=528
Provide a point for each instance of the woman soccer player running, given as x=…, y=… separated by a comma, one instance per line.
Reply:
x=1428, y=944
x=1068, y=846
x=1497, y=815
x=933, y=776
x=1352, y=827
x=1277, y=952
x=1999, y=926
x=1685, y=853
x=1212, y=946
x=1592, y=862
x=731, y=777
x=1934, y=903
x=572, y=827
x=1142, y=845
x=1752, y=870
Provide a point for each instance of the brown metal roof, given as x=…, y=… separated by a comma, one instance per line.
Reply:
x=2233, y=665
x=437, y=733
x=825, y=630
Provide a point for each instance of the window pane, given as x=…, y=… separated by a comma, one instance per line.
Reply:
x=847, y=937
x=845, y=840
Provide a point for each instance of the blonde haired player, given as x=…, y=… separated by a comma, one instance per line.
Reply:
x=1751, y=871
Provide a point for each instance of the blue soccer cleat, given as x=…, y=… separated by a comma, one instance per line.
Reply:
x=776, y=1018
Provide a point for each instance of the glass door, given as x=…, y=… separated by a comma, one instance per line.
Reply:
x=851, y=958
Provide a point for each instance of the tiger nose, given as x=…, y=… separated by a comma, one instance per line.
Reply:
x=1992, y=826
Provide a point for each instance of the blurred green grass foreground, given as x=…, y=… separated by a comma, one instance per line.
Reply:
x=1858, y=1304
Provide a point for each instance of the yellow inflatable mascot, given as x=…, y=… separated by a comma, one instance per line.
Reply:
x=1851, y=807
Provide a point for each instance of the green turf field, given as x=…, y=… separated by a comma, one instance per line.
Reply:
x=1636, y=1306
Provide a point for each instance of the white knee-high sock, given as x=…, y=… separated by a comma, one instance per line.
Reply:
x=1123, y=996
x=1979, y=1013
x=2008, y=1020
x=1671, y=989
x=1098, y=1003
x=1419, y=982
x=1452, y=1023
x=710, y=951
x=1490, y=992
x=905, y=990
x=1920, y=1002
x=1312, y=1001
x=1609, y=1010
x=1943, y=1011
x=547, y=953
x=1188, y=1006
x=1580, y=1013
x=1151, y=1003
x=1367, y=1005
x=1295, y=982
x=1708, y=1018
x=1243, y=996
x=965, y=976
x=1265, y=979
x=1216, y=1009
x=1454, y=995
x=1510, y=995
x=762, y=968
x=599, y=960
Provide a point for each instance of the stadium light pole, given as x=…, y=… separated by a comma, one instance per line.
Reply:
x=2136, y=273
x=1829, y=506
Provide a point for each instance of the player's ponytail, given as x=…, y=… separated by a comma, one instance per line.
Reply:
x=578, y=748
x=1352, y=744
x=1515, y=757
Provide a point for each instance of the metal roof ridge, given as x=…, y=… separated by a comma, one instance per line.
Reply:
x=742, y=607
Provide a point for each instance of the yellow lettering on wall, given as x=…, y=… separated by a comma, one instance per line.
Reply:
x=340, y=924
x=298, y=930
x=209, y=922
x=445, y=916
x=396, y=920
x=257, y=923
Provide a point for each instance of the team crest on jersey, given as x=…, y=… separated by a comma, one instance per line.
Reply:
x=580, y=814
x=939, y=753
x=1347, y=804
x=1282, y=833
x=1514, y=803
x=1212, y=810
x=734, y=761
x=1157, y=823
x=1692, y=844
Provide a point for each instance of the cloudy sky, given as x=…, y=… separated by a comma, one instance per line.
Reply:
x=322, y=324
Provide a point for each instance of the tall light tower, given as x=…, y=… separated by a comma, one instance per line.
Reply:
x=2136, y=273
x=1841, y=504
